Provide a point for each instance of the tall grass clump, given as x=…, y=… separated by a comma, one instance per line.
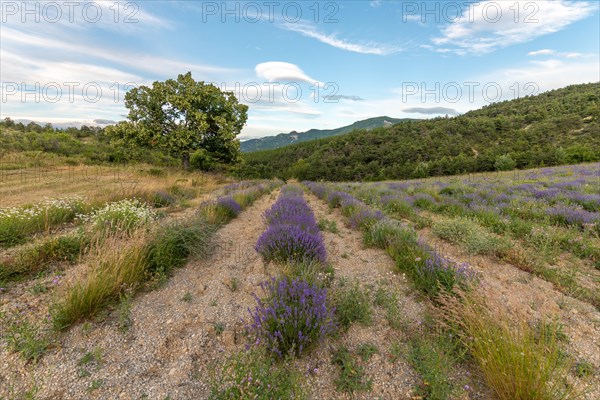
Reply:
x=16, y=223
x=37, y=257
x=175, y=243
x=292, y=316
x=516, y=360
x=113, y=268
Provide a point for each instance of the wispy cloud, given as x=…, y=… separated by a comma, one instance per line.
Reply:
x=487, y=26
x=548, y=52
x=336, y=97
x=49, y=48
x=333, y=40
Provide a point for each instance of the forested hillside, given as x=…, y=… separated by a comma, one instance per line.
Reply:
x=557, y=127
x=90, y=145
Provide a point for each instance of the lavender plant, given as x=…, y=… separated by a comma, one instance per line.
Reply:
x=293, y=234
x=291, y=243
x=293, y=316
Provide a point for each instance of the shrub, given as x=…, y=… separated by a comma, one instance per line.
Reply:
x=293, y=316
x=352, y=305
x=292, y=211
x=293, y=235
x=399, y=207
x=221, y=210
x=314, y=273
x=364, y=218
x=437, y=273
x=203, y=161
x=387, y=232
x=469, y=234
x=161, y=198
x=121, y=216
x=505, y=163
x=568, y=216
x=230, y=207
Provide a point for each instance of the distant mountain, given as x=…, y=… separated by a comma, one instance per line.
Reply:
x=70, y=124
x=285, y=139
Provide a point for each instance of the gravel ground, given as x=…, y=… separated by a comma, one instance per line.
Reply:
x=178, y=334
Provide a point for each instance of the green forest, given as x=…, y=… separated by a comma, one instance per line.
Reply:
x=556, y=127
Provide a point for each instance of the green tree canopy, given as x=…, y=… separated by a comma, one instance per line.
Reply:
x=181, y=116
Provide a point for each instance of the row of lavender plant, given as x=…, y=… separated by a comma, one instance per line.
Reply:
x=429, y=270
x=293, y=234
x=568, y=197
x=543, y=213
x=239, y=196
x=292, y=314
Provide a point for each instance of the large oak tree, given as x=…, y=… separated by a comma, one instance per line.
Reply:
x=182, y=116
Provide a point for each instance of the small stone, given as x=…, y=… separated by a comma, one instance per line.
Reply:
x=169, y=321
x=172, y=372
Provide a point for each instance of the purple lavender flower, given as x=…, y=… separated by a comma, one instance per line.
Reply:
x=291, y=243
x=293, y=234
x=292, y=316
x=229, y=205
x=438, y=272
x=572, y=216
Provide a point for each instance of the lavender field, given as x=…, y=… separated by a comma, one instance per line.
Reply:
x=466, y=287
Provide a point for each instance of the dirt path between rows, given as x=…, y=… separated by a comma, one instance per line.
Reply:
x=373, y=268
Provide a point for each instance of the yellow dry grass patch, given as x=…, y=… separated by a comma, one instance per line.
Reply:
x=99, y=184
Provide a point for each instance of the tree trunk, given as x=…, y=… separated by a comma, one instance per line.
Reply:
x=186, y=161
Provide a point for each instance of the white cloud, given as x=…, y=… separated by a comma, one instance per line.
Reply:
x=276, y=71
x=487, y=26
x=332, y=40
x=548, y=52
x=543, y=52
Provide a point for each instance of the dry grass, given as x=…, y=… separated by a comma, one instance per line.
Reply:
x=517, y=361
x=100, y=184
x=113, y=267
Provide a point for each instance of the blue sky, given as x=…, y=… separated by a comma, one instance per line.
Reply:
x=298, y=65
